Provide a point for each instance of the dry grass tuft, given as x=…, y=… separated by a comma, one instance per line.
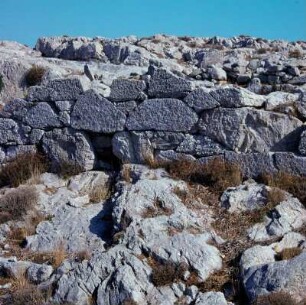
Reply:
x=23, y=168
x=289, y=253
x=101, y=192
x=275, y=298
x=295, y=185
x=295, y=54
x=158, y=209
x=167, y=273
x=15, y=204
x=126, y=173
x=82, y=255
x=68, y=169
x=215, y=174
x=34, y=75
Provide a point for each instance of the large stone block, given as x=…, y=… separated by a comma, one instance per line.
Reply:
x=127, y=90
x=162, y=114
x=66, y=146
x=200, y=100
x=166, y=84
x=251, y=130
x=93, y=112
x=9, y=132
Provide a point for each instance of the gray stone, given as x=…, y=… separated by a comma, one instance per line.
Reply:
x=127, y=90
x=302, y=145
x=162, y=114
x=15, y=109
x=95, y=113
x=251, y=130
x=235, y=98
x=9, y=132
x=126, y=107
x=217, y=73
x=211, y=298
x=165, y=156
x=64, y=105
x=35, y=136
x=13, y=151
x=66, y=146
x=246, y=197
x=298, y=80
x=39, y=273
x=287, y=276
x=65, y=89
x=166, y=84
x=40, y=94
x=289, y=162
x=199, y=146
x=42, y=116
x=200, y=99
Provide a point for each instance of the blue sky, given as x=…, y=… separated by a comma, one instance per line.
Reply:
x=26, y=20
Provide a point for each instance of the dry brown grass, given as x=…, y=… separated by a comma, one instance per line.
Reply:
x=215, y=174
x=68, y=169
x=166, y=273
x=34, y=75
x=276, y=298
x=295, y=185
x=101, y=192
x=16, y=203
x=54, y=258
x=126, y=173
x=23, y=168
x=158, y=209
x=82, y=255
x=296, y=54
x=289, y=253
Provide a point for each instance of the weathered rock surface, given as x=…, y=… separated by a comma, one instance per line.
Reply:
x=162, y=114
x=94, y=113
x=66, y=146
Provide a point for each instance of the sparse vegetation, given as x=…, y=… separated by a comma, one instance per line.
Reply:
x=295, y=185
x=158, y=209
x=289, y=253
x=262, y=51
x=23, y=168
x=15, y=204
x=296, y=53
x=68, y=169
x=101, y=192
x=126, y=173
x=34, y=75
x=167, y=273
x=82, y=255
x=276, y=298
x=216, y=174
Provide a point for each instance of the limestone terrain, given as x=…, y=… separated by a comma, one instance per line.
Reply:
x=175, y=171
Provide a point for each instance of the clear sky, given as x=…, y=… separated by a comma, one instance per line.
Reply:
x=26, y=20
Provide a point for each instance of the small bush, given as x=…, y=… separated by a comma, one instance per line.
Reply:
x=289, y=253
x=295, y=54
x=82, y=255
x=262, y=51
x=126, y=173
x=275, y=298
x=15, y=204
x=167, y=273
x=22, y=168
x=34, y=75
x=100, y=193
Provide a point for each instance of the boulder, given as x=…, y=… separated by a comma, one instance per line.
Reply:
x=42, y=116
x=200, y=99
x=251, y=130
x=39, y=273
x=65, y=89
x=217, y=73
x=165, y=84
x=235, y=98
x=290, y=163
x=302, y=145
x=9, y=132
x=93, y=112
x=67, y=146
x=211, y=298
x=246, y=197
x=162, y=114
x=127, y=90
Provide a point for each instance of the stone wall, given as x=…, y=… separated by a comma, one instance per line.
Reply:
x=158, y=115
